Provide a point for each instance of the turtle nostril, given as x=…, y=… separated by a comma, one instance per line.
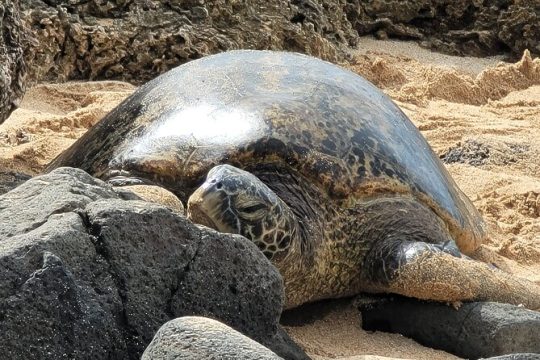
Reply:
x=219, y=185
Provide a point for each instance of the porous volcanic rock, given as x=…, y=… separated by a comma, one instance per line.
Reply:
x=85, y=274
x=12, y=65
x=137, y=40
x=476, y=329
x=462, y=27
x=193, y=337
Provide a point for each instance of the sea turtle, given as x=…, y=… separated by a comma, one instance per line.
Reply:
x=314, y=164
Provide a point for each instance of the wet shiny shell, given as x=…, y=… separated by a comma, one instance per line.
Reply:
x=254, y=109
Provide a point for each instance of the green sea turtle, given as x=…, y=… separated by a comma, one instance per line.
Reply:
x=319, y=168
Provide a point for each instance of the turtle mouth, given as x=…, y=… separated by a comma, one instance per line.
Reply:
x=204, y=207
x=197, y=215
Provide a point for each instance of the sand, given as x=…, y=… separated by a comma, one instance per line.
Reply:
x=481, y=115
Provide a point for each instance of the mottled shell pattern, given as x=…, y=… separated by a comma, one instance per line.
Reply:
x=253, y=109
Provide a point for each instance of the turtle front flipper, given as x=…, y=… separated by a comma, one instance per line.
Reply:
x=423, y=271
x=414, y=256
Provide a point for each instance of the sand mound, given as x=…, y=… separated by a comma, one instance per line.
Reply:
x=52, y=117
x=412, y=82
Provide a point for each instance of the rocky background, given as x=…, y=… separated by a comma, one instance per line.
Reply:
x=12, y=68
x=135, y=40
x=457, y=27
x=139, y=39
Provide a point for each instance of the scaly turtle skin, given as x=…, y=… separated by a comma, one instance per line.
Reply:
x=311, y=162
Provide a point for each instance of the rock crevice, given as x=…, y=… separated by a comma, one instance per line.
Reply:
x=116, y=270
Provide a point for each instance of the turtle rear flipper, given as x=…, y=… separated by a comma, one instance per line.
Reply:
x=425, y=271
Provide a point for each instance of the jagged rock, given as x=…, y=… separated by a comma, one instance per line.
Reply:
x=461, y=27
x=518, y=26
x=57, y=298
x=85, y=274
x=201, y=338
x=476, y=329
x=12, y=65
x=136, y=40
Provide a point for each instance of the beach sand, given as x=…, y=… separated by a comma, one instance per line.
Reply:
x=481, y=115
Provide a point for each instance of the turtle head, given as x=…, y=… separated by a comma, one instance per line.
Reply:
x=234, y=201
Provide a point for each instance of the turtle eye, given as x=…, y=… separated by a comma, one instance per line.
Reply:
x=252, y=210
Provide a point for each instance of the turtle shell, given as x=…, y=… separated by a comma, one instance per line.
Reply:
x=254, y=109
